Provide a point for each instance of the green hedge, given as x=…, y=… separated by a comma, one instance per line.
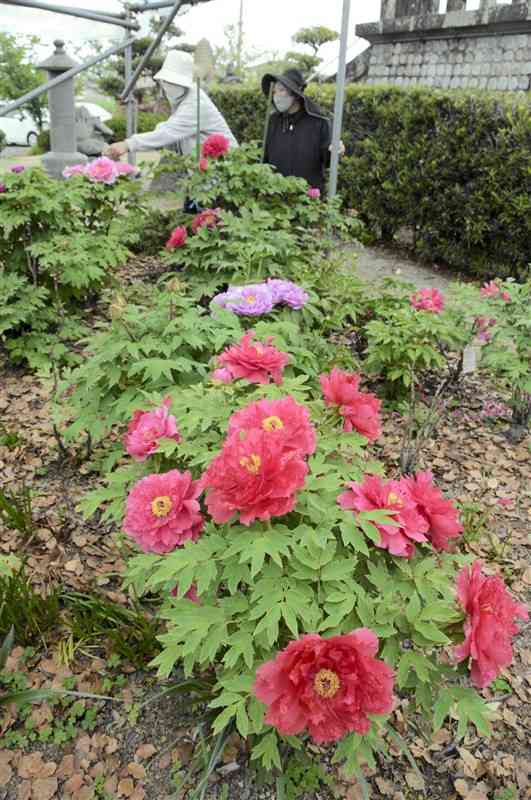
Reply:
x=453, y=166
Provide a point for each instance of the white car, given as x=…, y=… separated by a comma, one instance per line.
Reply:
x=19, y=127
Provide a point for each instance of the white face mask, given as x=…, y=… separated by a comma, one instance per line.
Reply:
x=173, y=92
x=283, y=102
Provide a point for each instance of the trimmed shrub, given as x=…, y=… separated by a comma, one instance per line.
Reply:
x=451, y=165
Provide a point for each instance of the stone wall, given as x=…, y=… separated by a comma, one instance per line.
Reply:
x=489, y=48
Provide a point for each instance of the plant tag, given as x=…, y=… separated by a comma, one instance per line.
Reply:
x=470, y=359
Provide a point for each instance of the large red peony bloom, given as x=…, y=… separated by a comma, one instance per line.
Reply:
x=360, y=410
x=209, y=218
x=162, y=511
x=284, y=420
x=428, y=300
x=441, y=515
x=393, y=496
x=215, y=145
x=147, y=427
x=256, y=476
x=326, y=686
x=489, y=626
x=177, y=239
x=255, y=362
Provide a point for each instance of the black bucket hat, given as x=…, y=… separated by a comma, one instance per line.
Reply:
x=292, y=79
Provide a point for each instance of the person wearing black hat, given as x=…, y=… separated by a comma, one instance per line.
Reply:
x=299, y=135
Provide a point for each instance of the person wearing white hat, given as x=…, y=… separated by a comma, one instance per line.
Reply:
x=179, y=132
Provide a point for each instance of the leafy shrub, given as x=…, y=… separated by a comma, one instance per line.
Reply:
x=451, y=165
x=2, y=140
x=146, y=122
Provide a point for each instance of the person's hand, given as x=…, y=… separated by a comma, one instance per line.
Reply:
x=116, y=150
x=341, y=150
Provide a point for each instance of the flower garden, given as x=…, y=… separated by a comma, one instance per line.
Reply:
x=243, y=495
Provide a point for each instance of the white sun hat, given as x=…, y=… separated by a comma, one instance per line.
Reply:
x=178, y=68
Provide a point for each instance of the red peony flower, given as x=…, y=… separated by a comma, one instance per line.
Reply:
x=490, y=289
x=191, y=594
x=215, y=145
x=326, y=686
x=284, y=420
x=393, y=496
x=203, y=164
x=147, y=427
x=506, y=296
x=489, y=626
x=428, y=300
x=209, y=218
x=360, y=410
x=254, y=362
x=178, y=238
x=162, y=511
x=255, y=476
x=339, y=387
x=440, y=514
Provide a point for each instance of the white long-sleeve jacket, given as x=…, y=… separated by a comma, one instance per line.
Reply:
x=180, y=129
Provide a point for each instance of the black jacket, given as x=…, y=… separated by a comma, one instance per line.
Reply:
x=298, y=144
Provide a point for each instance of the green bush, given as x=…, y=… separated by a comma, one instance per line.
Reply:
x=146, y=122
x=2, y=140
x=453, y=166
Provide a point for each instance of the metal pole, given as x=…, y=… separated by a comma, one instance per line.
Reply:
x=161, y=4
x=340, y=97
x=63, y=77
x=130, y=111
x=110, y=19
x=240, y=40
x=198, y=132
x=151, y=49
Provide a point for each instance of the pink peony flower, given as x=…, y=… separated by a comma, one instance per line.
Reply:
x=124, y=168
x=254, y=362
x=255, y=476
x=428, y=300
x=215, y=145
x=360, y=410
x=203, y=164
x=313, y=193
x=440, y=514
x=178, y=238
x=223, y=375
x=489, y=625
x=162, y=512
x=75, y=169
x=147, y=427
x=328, y=687
x=284, y=420
x=506, y=296
x=191, y=594
x=394, y=497
x=209, y=218
x=102, y=170
x=18, y=168
x=490, y=289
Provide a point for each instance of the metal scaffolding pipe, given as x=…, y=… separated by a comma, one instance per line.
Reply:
x=160, y=4
x=340, y=98
x=151, y=49
x=110, y=19
x=71, y=73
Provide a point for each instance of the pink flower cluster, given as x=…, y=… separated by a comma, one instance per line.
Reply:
x=491, y=289
x=360, y=410
x=101, y=170
x=147, y=428
x=255, y=362
x=489, y=626
x=428, y=300
x=417, y=507
x=262, y=464
x=209, y=218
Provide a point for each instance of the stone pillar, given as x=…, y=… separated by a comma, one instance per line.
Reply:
x=388, y=9
x=63, y=151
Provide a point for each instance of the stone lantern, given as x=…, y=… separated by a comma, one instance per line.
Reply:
x=62, y=115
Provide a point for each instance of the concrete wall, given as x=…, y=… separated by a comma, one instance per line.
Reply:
x=489, y=48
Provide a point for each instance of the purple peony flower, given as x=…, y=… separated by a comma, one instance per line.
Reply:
x=287, y=293
x=2, y=188
x=18, y=168
x=252, y=301
x=221, y=298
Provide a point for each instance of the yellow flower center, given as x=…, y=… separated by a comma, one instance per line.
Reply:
x=259, y=349
x=251, y=298
x=326, y=683
x=272, y=424
x=394, y=500
x=252, y=464
x=161, y=506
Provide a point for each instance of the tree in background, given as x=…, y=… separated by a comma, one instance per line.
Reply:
x=18, y=75
x=315, y=38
